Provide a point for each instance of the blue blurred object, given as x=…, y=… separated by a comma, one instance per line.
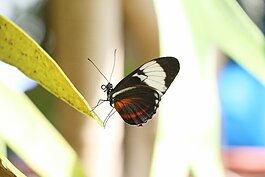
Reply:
x=243, y=107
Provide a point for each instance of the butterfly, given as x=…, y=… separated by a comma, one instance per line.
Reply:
x=137, y=96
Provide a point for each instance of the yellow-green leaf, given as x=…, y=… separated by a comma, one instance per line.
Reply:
x=21, y=51
x=33, y=138
x=225, y=24
x=7, y=169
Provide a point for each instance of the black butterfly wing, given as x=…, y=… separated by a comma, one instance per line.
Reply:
x=137, y=104
x=158, y=73
x=137, y=96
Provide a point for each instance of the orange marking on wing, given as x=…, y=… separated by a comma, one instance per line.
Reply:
x=124, y=102
x=131, y=116
x=120, y=104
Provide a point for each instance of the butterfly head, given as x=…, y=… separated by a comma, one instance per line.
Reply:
x=107, y=88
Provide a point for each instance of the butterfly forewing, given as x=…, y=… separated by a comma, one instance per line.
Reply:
x=137, y=96
x=157, y=73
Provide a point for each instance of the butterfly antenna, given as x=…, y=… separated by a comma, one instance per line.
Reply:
x=98, y=69
x=115, y=51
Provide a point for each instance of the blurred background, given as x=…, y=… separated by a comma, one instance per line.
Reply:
x=72, y=31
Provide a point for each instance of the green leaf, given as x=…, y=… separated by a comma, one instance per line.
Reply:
x=31, y=136
x=21, y=51
x=225, y=24
x=2, y=147
x=7, y=169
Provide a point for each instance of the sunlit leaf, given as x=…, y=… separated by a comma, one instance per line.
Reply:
x=31, y=136
x=21, y=51
x=2, y=147
x=193, y=136
x=225, y=24
x=7, y=169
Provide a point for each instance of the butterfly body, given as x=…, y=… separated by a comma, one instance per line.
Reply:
x=137, y=96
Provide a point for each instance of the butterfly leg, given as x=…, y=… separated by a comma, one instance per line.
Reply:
x=108, y=116
x=99, y=103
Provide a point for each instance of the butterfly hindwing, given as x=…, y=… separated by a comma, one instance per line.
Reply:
x=136, y=104
x=137, y=96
